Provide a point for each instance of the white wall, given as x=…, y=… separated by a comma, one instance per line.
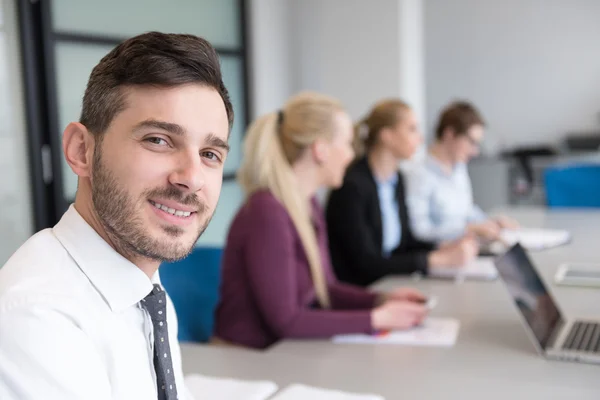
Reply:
x=358, y=51
x=271, y=63
x=348, y=49
x=15, y=206
x=532, y=66
x=412, y=55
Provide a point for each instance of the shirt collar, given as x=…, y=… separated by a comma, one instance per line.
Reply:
x=120, y=282
x=436, y=166
x=391, y=181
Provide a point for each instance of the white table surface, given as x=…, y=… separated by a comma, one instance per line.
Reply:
x=492, y=359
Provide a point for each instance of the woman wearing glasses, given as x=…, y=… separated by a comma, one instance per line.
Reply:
x=440, y=197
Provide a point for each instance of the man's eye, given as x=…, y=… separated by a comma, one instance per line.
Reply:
x=157, y=141
x=210, y=155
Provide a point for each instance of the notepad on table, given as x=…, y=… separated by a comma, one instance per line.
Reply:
x=481, y=268
x=433, y=332
x=213, y=388
x=303, y=392
x=535, y=239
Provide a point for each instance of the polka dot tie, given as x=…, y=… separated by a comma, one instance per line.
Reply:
x=156, y=305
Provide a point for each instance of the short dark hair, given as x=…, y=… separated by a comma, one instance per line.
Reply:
x=459, y=116
x=152, y=59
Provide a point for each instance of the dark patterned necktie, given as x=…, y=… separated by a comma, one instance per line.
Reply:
x=156, y=305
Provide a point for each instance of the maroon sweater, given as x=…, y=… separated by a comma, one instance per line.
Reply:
x=267, y=292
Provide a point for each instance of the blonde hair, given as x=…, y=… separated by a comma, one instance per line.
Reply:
x=273, y=143
x=387, y=113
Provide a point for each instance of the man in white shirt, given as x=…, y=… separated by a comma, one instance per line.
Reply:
x=440, y=196
x=82, y=312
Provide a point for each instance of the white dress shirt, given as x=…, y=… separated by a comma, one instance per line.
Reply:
x=71, y=325
x=440, y=202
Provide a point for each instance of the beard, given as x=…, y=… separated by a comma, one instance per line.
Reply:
x=120, y=216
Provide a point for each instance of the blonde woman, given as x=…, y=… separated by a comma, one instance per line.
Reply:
x=277, y=280
x=370, y=234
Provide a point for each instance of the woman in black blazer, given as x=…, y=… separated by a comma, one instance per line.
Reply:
x=367, y=218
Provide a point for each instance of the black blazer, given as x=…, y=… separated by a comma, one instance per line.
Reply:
x=356, y=234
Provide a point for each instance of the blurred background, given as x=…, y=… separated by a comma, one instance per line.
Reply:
x=531, y=66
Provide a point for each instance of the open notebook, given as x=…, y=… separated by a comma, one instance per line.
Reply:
x=213, y=388
x=303, y=392
x=481, y=268
x=434, y=332
x=535, y=239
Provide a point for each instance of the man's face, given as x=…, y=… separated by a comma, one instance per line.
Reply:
x=466, y=146
x=158, y=169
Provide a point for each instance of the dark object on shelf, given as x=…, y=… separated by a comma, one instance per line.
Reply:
x=523, y=157
x=583, y=141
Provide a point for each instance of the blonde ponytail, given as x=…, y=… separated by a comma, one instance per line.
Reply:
x=270, y=149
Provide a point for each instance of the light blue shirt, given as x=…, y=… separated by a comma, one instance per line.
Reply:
x=440, y=203
x=390, y=214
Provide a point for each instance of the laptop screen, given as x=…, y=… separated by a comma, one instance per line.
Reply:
x=529, y=293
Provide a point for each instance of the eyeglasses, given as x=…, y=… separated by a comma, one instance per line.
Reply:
x=474, y=142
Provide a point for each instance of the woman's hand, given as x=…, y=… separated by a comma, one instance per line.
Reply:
x=398, y=315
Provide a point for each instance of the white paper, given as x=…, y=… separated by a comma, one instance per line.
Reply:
x=535, y=239
x=205, y=387
x=303, y=392
x=433, y=332
x=480, y=268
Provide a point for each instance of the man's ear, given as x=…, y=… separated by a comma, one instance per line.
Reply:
x=448, y=133
x=78, y=148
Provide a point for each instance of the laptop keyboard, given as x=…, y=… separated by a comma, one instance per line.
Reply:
x=584, y=336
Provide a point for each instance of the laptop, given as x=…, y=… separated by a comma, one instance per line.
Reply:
x=553, y=336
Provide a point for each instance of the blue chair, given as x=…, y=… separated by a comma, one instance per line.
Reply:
x=193, y=285
x=573, y=186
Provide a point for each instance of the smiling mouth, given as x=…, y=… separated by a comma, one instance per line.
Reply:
x=172, y=211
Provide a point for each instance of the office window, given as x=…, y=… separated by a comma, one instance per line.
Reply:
x=230, y=201
x=16, y=224
x=74, y=62
x=218, y=21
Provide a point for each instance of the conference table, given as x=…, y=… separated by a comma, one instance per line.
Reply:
x=493, y=357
